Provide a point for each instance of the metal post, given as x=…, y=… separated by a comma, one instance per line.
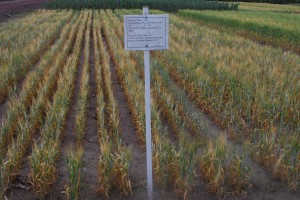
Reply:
x=148, y=119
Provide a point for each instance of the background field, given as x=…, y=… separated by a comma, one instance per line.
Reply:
x=225, y=106
x=269, y=24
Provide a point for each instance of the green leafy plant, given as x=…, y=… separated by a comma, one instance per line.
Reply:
x=75, y=166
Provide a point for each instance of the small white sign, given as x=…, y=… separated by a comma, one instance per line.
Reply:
x=146, y=32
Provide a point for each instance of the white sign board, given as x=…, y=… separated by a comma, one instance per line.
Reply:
x=146, y=32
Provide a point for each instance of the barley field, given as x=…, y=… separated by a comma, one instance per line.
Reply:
x=225, y=106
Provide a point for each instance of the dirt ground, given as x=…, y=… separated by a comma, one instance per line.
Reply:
x=13, y=9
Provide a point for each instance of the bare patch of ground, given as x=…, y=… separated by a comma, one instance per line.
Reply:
x=17, y=8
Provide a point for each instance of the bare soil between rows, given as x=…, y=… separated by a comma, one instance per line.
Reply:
x=17, y=8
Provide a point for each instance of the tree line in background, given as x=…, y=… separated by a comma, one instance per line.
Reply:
x=165, y=5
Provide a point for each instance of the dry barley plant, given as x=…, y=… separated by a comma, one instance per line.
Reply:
x=251, y=90
x=115, y=158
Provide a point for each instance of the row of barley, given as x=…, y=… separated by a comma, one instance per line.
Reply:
x=75, y=152
x=115, y=158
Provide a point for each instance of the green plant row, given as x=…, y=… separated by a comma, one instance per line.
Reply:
x=166, y=5
x=263, y=33
x=275, y=8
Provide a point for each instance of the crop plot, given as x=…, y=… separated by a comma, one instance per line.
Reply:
x=225, y=111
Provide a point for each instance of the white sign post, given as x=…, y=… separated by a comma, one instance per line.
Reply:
x=147, y=32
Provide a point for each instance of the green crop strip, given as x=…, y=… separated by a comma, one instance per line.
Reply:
x=267, y=27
